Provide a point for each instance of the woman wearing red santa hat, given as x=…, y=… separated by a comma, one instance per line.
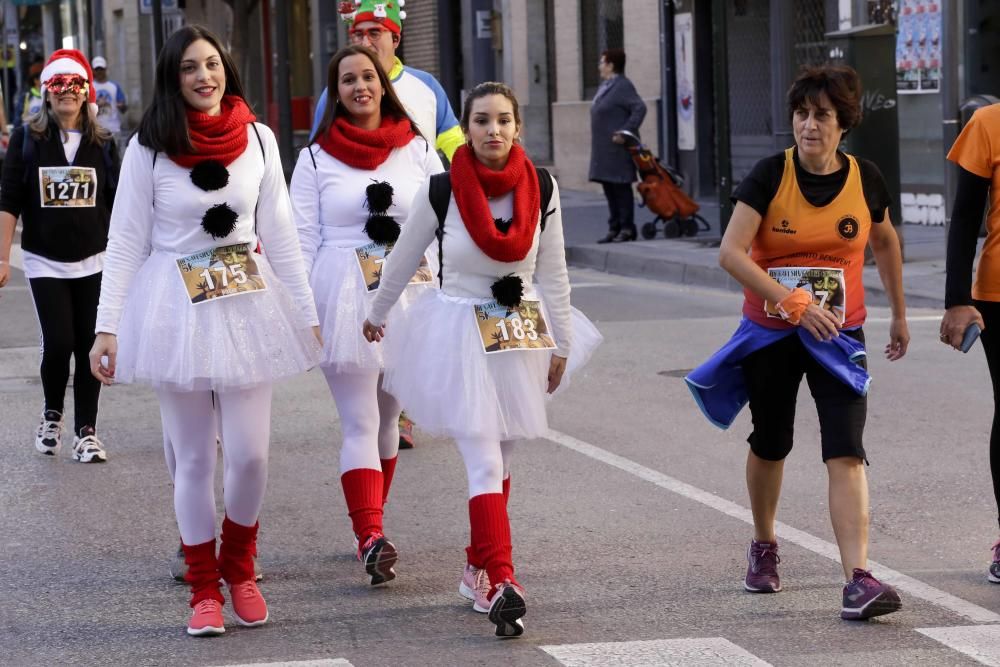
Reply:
x=59, y=176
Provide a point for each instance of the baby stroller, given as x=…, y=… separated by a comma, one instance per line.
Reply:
x=660, y=189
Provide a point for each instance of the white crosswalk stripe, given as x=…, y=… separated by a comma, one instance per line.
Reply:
x=700, y=652
x=337, y=662
x=979, y=642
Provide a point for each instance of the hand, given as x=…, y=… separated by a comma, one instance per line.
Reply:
x=318, y=334
x=954, y=323
x=4, y=272
x=899, y=339
x=373, y=334
x=617, y=138
x=557, y=366
x=105, y=345
x=820, y=322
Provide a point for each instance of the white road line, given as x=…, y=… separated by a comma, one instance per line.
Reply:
x=979, y=642
x=339, y=662
x=16, y=256
x=909, y=318
x=701, y=652
x=585, y=284
x=818, y=546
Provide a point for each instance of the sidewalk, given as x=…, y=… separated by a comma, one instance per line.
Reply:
x=694, y=260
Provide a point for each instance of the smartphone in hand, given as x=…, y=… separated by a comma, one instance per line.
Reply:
x=971, y=334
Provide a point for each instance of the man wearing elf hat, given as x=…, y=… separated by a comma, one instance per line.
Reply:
x=378, y=25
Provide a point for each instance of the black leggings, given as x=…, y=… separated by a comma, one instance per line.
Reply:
x=990, y=311
x=67, y=314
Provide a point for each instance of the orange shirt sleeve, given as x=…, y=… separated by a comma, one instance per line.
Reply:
x=974, y=149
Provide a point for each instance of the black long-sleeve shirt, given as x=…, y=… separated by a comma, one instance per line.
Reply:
x=966, y=219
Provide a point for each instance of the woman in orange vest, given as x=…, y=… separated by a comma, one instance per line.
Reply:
x=796, y=242
x=977, y=154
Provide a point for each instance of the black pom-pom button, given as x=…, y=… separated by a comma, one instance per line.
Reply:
x=219, y=221
x=210, y=175
x=508, y=290
x=502, y=225
x=382, y=229
x=379, y=196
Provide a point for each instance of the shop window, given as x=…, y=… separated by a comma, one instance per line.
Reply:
x=601, y=27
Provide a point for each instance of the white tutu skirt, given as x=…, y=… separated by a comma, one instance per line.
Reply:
x=342, y=301
x=449, y=386
x=224, y=344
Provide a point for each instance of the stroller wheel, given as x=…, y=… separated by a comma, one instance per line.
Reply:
x=649, y=230
x=672, y=229
x=689, y=227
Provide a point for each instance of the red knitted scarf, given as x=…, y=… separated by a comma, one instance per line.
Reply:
x=472, y=182
x=222, y=138
x=365, y=149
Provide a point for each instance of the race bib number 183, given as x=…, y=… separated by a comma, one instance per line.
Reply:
x=505, y=329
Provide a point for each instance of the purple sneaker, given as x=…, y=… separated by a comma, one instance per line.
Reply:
x=865, y=597
x=762, y=568
x=994, y=571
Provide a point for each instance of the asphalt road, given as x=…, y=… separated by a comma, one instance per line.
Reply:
x=629, y=522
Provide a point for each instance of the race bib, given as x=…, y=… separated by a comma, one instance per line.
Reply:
x=220, y=272
x=370, y=258
x=826, y=285
x=67, y=187
x=504, y=329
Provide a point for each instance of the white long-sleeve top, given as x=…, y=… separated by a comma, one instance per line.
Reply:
x=328, y=200
x=468, y=272
x=157, y=208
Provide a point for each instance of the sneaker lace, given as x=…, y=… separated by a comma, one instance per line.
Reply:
x=865, y=578
x=482, y=580
x=89, y=443
x=207, y=606
x=245, y=589
x=49, y=430
x=764, y=558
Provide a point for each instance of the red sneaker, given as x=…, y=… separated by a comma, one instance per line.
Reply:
x=206, y=620
x=248, y=604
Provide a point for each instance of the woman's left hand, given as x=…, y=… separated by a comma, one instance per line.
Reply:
x=617, y=138
x=372, y=333
x=557, y=366
x=318, y=334
x=899, y=339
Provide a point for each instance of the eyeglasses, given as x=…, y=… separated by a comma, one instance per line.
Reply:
x=66, y=83
x=373, y=35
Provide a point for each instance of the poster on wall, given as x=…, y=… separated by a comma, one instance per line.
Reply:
x=684, y=54
x=918, y=47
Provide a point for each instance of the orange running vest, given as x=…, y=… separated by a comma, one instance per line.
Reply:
x=794, y=233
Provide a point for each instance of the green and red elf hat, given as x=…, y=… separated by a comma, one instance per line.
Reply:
x=389, y=14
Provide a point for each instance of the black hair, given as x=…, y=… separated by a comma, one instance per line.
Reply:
x=164, y=126
x=615, y=58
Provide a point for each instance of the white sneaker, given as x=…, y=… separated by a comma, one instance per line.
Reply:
x=475, y=586
x=48, y=438
x=88, y=449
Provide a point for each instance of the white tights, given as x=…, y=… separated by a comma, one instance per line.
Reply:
x=369, y=419
x=190, y=430
x=487, y=463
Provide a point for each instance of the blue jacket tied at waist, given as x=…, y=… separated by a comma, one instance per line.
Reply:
x=718, y=387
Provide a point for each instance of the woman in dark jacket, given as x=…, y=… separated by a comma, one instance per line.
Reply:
x=616, y=107
x=59, y=176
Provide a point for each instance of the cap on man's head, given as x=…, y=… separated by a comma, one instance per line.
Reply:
x=388, y=14
x=99, y=63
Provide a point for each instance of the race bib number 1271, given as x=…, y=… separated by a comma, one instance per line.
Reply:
x=67, y=187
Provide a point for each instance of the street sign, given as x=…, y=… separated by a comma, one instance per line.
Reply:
x=146, y=6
